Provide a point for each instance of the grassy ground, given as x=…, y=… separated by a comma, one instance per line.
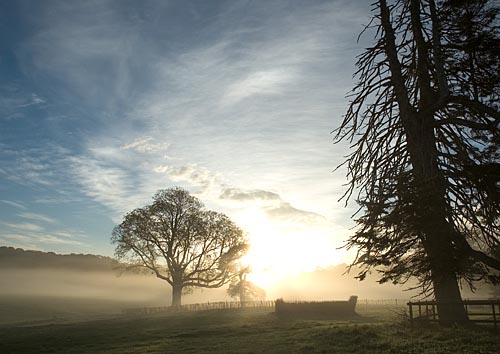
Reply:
x=376, y=330
x=36, y=310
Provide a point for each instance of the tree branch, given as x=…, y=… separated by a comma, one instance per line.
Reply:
x=400, y=89
x=476, y=106
x=467, y=123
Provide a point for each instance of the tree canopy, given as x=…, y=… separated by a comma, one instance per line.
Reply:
x=180, y=242
x=424, y=123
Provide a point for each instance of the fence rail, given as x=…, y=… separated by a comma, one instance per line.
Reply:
x=236, y=304
x=479, y=311
x=198, y=307
x=390, y=302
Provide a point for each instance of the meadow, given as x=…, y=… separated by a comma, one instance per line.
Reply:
x=377, y=329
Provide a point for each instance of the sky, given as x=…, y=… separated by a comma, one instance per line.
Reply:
x=104, y=102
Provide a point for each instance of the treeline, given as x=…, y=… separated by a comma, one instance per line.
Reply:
x=11, y=257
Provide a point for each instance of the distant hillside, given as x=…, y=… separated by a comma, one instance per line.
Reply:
x=11, y=257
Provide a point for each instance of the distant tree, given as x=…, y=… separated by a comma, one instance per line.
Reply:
x=424, y=119
x=244, y=289
x=180, y=242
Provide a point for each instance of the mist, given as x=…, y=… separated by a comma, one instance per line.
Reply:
x=138, y=290
x=336, y=283
x=53, y=295
x=333, y=283
x=48, y=295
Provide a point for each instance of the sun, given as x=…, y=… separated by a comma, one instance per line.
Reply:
x=279, y=248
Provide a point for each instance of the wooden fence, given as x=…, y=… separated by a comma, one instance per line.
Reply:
x=198, y=307
x=237, y=304
x=479, y=311
x=382, y=302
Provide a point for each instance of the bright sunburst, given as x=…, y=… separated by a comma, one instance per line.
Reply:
x=282, y=248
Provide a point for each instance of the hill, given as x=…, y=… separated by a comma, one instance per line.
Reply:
x=18, y=258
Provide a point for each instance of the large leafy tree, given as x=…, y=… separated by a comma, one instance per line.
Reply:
x=180, y=242
x=424, y=122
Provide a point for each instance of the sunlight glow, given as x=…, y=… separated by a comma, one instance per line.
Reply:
x=279, y=249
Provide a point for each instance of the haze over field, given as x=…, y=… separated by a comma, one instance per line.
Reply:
x=27, y=273
x=39, y=287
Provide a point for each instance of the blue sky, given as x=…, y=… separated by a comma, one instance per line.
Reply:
x=104, y=102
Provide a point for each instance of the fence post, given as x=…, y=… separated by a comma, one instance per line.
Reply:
x=411, y=314
x=494, y=317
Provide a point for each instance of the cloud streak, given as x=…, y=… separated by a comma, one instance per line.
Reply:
x=242, y=195
x=259, y=83
x=24, y=226
x=145, y=145
x=38, y=240
x=13, y=204
x=288, y=213
x=273, y=205
x=37, y=217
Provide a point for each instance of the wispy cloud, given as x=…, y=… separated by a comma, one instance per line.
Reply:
x=192, y=174
x=145, y=145
x=33, y=100
x=35, y=236
x=37, y=217
x=287, y=212
x=40, y=166
x=91, y=35
x=51, y=239
x=111, y=186
x=245, y=195
x=38, y=240
x=273, y=205
x=14, y=204
x=120, y=176
x=23, y=226
x=14, y=100
x=269, y=82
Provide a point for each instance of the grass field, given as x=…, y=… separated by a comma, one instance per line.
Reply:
x=30, y=310
x=259, y=331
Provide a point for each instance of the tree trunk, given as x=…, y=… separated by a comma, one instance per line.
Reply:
x=437, y=233
x=243, y=298
x=450, y=308
x=442, y=258
x=176, y=294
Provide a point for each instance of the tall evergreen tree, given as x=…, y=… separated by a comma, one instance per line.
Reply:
x=424, y=119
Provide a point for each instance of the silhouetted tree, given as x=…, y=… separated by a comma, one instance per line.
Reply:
x=244, y=289
x=424, y=120
x=180, y=242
